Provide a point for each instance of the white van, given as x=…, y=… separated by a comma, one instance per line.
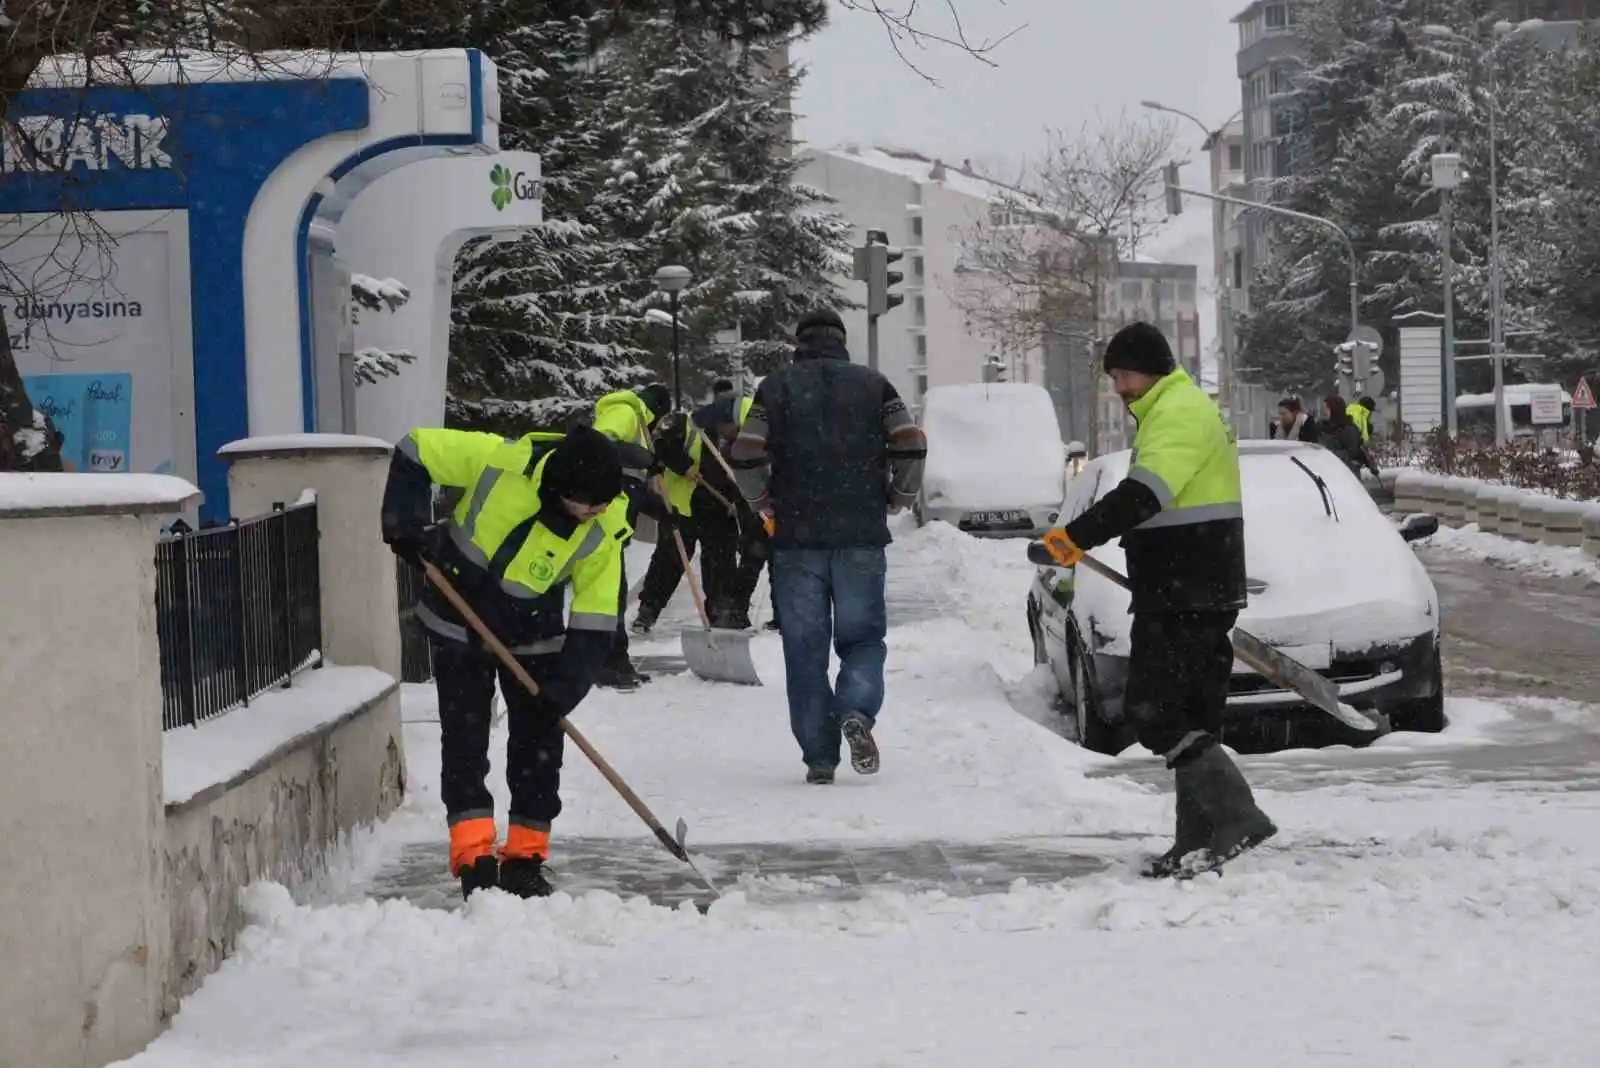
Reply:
x=996, y=466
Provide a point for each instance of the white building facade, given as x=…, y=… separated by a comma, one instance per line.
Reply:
x=925, y=208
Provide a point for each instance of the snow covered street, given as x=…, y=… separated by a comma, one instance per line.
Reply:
x=1428, y=901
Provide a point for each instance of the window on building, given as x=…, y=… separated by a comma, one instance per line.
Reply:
x=1276, y=17
x=1185, y=292
x=916, y=266
x=1238, y=268
x=1282, y=158
x=1281, y=81
x=921, y=382
x=922, y=344
x=1132, y=292
x=919, y=309
x=1236, y=157
x=916, y=229
x=1169, y=327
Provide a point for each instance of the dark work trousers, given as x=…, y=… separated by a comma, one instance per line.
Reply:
x=755, y=550
x=465, y=675
x=716, y=536
x=1178, y=672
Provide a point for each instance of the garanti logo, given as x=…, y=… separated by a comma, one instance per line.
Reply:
x=507, y=187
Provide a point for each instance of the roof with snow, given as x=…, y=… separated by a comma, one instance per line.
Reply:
x=919, y=168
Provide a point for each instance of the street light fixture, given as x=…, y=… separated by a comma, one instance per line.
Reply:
x=672, y=280
x=1447, y=175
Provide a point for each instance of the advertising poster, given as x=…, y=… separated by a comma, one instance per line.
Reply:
x=94, y=415
x=90, y=329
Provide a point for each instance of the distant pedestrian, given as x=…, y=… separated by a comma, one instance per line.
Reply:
x=1342, y=438
x=826, y=452
x=1294, y=422
x=1361, y=415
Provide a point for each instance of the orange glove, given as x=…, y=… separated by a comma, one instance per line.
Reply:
x=768, y=524
x=1061, y=547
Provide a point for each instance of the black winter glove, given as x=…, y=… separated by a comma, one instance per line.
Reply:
x=412, y=548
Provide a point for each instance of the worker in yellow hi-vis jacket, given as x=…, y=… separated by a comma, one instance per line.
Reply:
x=539, y=514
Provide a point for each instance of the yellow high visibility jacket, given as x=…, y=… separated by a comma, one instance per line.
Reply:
x=1190, y=554
x=624, y=416
x=1362, y=419
x=508, y=544
x=680, y=488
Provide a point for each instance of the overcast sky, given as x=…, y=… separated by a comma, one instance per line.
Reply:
x=1073, y=61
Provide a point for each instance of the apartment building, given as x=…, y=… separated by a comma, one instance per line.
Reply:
x=925, y=207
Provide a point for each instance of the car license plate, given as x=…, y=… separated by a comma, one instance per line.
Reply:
x=996, y=517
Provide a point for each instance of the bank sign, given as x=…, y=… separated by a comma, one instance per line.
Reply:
x=51, y=143
x=523, y=184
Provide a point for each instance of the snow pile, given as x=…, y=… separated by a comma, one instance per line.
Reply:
x=1562, y=561
x=1009, y=979
x=993, y=446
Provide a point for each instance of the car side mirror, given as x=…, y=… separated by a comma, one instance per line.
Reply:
x=1418, y=526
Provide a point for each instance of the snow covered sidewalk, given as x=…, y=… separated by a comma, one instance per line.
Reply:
x=1418, y=924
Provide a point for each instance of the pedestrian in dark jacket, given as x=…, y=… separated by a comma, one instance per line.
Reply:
x=542, y=514
x=1295, y=423
x=1342, y=437
x=826, y=452
x=1180, y=515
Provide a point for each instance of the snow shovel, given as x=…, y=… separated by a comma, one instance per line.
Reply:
x=715, y=654
x=1258, y=656
x=673, y=844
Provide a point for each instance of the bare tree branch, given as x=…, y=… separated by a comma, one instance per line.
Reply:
x=1038, y=268
x=905, y=26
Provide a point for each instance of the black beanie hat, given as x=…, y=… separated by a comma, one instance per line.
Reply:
x=1140, y=347
x=822, y=317
x=656, y=398
x=583, y=468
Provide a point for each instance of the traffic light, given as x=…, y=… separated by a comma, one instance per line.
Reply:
x=1345, y=362
x=872, y=267
x=1169, y=183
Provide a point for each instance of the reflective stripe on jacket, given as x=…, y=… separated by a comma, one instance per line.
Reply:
x=515, y=549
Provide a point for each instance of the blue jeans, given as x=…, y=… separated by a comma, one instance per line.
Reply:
x=836, y=595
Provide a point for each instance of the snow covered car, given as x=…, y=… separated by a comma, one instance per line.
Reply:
x=1332, y=582
x=996, y=466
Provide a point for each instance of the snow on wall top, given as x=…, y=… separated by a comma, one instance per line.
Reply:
x=921, y=170
x=162, y=67
x=42, y=495
x=211, y=754
x=304, y=443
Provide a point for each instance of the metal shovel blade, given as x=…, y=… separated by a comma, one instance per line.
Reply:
x=1261, y=658
x=718, y=655
x=1289, y=674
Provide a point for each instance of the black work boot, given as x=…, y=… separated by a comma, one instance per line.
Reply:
x=1225, y=801
x=524, y=877
x=819, y=776
x=481, y=874
x=644, y=620
x=1193, y=832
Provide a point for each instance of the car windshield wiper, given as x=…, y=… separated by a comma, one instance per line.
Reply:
x=1322, y=488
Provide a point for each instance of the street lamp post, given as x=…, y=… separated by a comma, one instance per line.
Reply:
x=673, y=280
x=1446, y=178
x=1497, y=325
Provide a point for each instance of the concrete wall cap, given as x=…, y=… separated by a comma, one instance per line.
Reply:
x=305, y=445
x=1563, y=506
x=44, y=496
